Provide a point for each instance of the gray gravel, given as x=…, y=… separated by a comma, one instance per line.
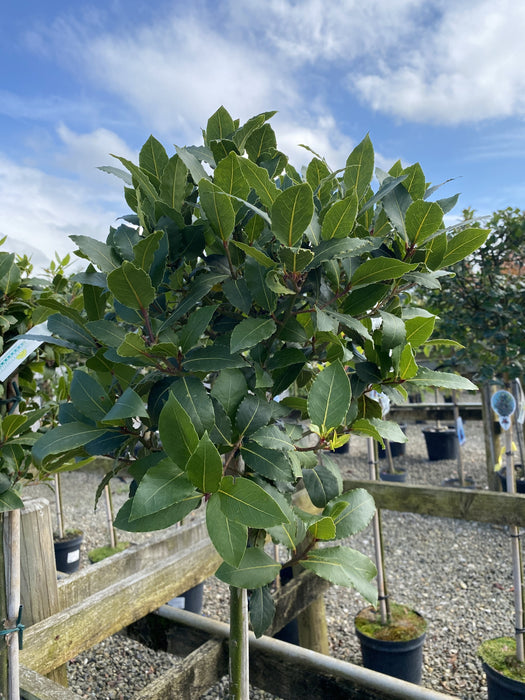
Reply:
x=457, y=574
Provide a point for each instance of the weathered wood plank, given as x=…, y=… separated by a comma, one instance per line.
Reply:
x=295, y=597
x=464, y=504
x=36, y=687
x=435, y=411
x=54, y=641
x=137, y=558
x=192, y=676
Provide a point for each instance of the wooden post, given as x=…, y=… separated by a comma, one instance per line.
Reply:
x=39, y=588
x=12, y=579
x=4, y=683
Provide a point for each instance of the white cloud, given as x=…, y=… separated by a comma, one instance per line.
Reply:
x=464, y=68
x=40, y=212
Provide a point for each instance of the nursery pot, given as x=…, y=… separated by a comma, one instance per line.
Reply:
x=400, y=475
x=400, y=659
x=290, y=632
x=454, y=482
x=398, y=449
x=442, y=443
x=518, y=474
x=500, y=686
x=67, y=553
x=191, y=600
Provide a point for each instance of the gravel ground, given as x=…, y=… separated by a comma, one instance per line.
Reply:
x=457, y=574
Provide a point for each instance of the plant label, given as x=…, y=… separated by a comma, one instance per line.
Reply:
x=14, y=356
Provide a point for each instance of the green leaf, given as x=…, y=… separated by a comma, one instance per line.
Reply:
x=228, y=176
x=204, y=467
x=396, y=204
x=107, y=332
x=422, y=220
x=193, y=397
x=445, y=380
x=260, y=142
x=251, y=332
x=255, y=569
x=360, y=167
x=70, y=331
x=200, y=287
x=131, y=286
x=339, y=220
x=218, y=208
x=177, y=433
x=63, y=438
x=351, y=512
x=128, y=405
x=158, y=521
x=162, y=486
x=419, y=329
x=388, y=430
x=100, y=254
x=228, y=537
x=295, y=259
x=273, y=437
x=242, y=134
x=10, y=500
x=255, y=276
x=238, y=294
x=89, y=396
x=211, y=359
x=379, y=269
x=195, y=326
x=153, y=157
x=220, y=125
x=146, y=187
x=259, y=181
x=407, y=364
x=291, y=213
x=255, y=253
x=329, y=397
x=339, y=248
x=11, y=425
x=173, y=183
x=344, y=567
x=197, y=172
x=262, y=610
x=229, y=388
x=244, y=501
x=322, y=528
x=462, y=244
x=253, y=413
x=393, y=331
x=270, y=463
x=322, y=483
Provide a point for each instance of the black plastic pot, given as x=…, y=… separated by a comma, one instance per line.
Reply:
x=441, y=443
x=191, y=600
x=501, y=687
x=67, y=554
x=290, y=632
x=402, y=660
x=518, y=474
x=400, y=475
x=343, y=450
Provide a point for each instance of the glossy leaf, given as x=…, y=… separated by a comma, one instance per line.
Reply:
x=131, y=286
x=177, y=433
x=291, y=213
x=250, y=332
x=220, y=125
x=462, y=244
x=89, y=396
x=228, y=537
x=344, y=567
x=193, y=397
x=253, y=413
x=393, y=331
x=153, y=157
x=212, y=359
x=351, y=512
x=63, y=438
x=259, y=180
x=339, y=220
x=379, y=269
x=244, y=501
x=422, y=220
x=229, y=388
x=204, y=467
x=268, y=462
x=10, y=500
x=445, y=380
x=218, y=209
x=195, y=326
x=157, y=521
x=262, y=610
x=255, y=569
x=161, y=487
x=100, y=254
x=329, y=397
x=360, y=167
x=322, y=528
x=173, y=183
x=128, y=405
x=322, y=484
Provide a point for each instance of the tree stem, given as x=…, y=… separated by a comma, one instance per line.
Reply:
x=239, y=645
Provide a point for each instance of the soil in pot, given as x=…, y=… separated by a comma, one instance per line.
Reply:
x=399, y=475
x=395, y=649
x=67, y=551
x=442, y=443
x=519, y=476
x=505, y=674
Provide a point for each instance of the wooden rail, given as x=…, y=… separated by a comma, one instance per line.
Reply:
x=435, y=411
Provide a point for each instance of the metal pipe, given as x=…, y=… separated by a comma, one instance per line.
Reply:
x=389, y=687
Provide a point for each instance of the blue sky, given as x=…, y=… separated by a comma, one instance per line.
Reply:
x=435, y=81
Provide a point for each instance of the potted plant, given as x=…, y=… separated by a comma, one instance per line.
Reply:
x=225, y=284
x=504, y=658
x=441, y=441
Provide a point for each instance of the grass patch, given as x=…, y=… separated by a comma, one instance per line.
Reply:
x=500, y=654
x=100, y=553
x=404, y=624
